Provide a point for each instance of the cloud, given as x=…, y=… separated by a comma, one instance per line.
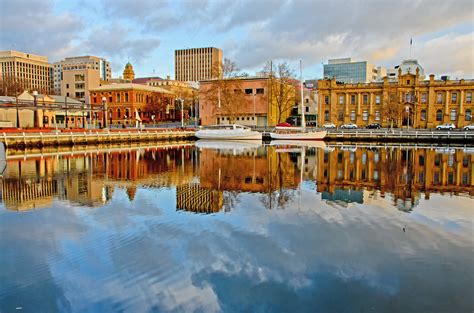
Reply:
x=316, y=31
x=32, y=25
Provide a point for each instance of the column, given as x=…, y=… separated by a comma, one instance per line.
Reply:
x=446, y=107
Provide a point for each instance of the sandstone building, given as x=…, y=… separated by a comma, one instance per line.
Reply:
x=421, y=103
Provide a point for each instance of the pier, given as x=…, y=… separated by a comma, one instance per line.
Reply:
x=86, y=137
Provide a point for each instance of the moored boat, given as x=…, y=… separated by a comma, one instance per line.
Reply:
x=228, y=132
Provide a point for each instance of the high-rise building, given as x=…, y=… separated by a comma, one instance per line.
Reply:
x=196, y=64
x=32, y=72
x=349, y=72
x=74, y=76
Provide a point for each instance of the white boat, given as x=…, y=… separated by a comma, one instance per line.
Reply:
x=228, y=132
x=298, y=133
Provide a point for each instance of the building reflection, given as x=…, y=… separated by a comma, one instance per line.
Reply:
x=210, y=180
x=405, y=174
x=89, y=179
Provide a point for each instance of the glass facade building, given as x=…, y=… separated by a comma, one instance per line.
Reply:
x=350, y=72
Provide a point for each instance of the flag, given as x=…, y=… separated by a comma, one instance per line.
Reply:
x=411, y=41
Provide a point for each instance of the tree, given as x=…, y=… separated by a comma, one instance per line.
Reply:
x=392, y=108
x=13, y=86
x=282, y=89
x=225, y=90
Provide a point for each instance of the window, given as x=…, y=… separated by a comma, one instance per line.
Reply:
x=421, y=160
x=439, y=115
x=468, y=116
x=377, y=99
x=454, y=97
x=326, y=116
x=248, y=91
x=439, y=98
x=408, y=82
x=353, y=115
x=408, y=97
x=126, y=97
x=340, y=116
x=110, y=99
x=437, y=160
x=260, y=91
x=365, y=115
x=306, y=100
x=353, y=99
x=339, y=157
x=118, y=97
x=377, y=115
x=326, y=99
x=465, y=161
x=366, y=99
x=118, y=113
x=341, y=99
x=423, y=115
x=307, y=109
x=452, y=116
x=469, y=97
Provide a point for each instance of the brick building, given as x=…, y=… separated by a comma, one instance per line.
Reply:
x=125, y=102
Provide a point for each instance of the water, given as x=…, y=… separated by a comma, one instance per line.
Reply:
x=242, y=228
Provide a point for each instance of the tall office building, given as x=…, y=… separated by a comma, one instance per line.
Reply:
x=32, y=71
x=75, y=76
x=196, y=64
x=350, y=72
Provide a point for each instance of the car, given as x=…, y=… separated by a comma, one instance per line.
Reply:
x=446, y=126
x=374, y=126
x=329, y=126
x=468, y=127
x=349, y=126
x=284, y=125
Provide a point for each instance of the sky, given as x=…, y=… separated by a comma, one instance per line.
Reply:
x=250, y=32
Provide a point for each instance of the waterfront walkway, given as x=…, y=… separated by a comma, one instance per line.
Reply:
x=24, y=139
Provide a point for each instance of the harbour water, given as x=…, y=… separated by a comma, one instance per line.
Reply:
x=238, y=228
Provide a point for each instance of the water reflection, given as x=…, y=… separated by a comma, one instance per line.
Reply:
x=209, y=178
x=279, y=229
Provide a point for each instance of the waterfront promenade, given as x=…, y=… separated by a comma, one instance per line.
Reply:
x=23, y=139
x=40, y=138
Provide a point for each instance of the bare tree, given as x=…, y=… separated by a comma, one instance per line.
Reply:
x=225, y=91
x=392, y=108
x=13, y=86
x=282, y=88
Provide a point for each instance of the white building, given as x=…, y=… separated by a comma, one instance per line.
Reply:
x=350, y=72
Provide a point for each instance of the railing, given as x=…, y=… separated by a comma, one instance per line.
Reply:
x=401, y=134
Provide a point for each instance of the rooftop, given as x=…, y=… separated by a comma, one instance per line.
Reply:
x=128, y=86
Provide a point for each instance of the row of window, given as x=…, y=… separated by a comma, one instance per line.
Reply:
x=423, y=115
x=409, y=97
x=258, y=91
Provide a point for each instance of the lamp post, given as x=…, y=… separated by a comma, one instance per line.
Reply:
x=407, y=110
x=104, y=110
x=35, y=112
x=181, y=110
x=153, y=119
x=254, y=117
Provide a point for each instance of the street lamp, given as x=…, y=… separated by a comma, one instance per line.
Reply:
x=153, y=119
x=104, y=110
x=181, y=110
x=254, y=118
x=407, y=110
x=35, y=112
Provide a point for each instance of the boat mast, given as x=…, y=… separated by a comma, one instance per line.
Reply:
x=303, y=121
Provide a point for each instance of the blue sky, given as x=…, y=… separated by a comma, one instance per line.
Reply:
x=250, y=32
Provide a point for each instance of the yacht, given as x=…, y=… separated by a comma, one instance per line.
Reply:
x=228, y=132
x=298, y=133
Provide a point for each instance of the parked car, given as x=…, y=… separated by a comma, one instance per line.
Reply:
x=284, y=125
x=329, y=126
x=469, y=127
x=446, y=126
x=374, y=126
x=349, y=126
